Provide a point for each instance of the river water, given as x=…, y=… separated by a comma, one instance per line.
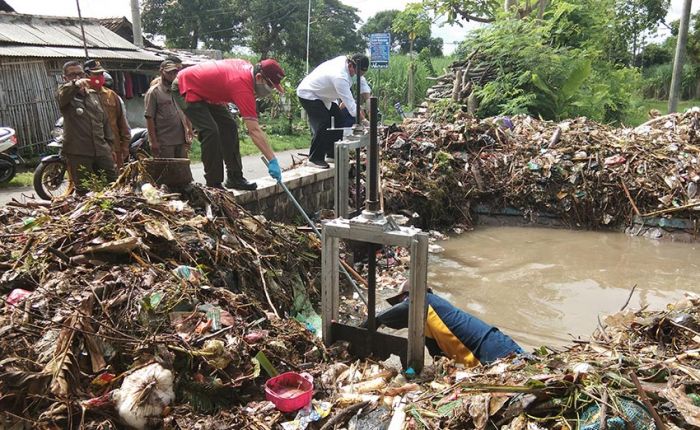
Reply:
x=543, y=286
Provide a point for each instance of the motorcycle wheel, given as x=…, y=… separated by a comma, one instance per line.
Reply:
x=51, y=180
x=7, y=168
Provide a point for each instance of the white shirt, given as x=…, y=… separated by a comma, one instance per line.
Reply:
x=328, y=82
x=364, y=86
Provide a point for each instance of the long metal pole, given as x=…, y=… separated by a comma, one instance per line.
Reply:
x=679, y=58
x=358, y=107
x=82, y=29
x=373, y=159
x=308, y=36
x=318, y=233
x=358, y=182
x=372, y=205
x=371, y=286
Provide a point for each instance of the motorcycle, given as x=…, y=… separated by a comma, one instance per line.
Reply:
x=51, y=178
x=9, y=159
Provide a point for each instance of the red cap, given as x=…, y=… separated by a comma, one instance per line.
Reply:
x=273, y=71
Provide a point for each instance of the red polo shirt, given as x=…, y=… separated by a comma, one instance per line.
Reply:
x=217, y=82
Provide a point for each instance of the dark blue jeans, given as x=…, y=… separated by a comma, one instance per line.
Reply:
x=347, y=119
x=322, y=139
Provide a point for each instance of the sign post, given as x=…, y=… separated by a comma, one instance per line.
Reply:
x=379, y=49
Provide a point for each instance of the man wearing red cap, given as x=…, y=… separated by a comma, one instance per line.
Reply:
x=203, y=92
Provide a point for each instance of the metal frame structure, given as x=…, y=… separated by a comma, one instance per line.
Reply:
x=366, y=342
x=342, y=172
x=372, y=229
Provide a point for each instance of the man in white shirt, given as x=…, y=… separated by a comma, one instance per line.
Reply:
x=349, y=119
x=318, y=93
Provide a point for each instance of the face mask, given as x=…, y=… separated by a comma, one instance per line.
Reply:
x=97, y=82
x=263, y=90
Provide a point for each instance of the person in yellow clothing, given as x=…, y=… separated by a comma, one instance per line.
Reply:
x=452, y=332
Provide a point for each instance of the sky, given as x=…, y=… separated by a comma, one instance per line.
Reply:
x=367, y=8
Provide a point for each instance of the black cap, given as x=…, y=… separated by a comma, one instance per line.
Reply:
x=174, y=58
x=361, y=61
x=93, y=66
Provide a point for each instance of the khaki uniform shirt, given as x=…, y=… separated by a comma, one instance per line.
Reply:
x=169, y=119
x=86, y=128
x=117, y=119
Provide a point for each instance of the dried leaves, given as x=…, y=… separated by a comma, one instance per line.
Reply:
x=122, y=281
x=587, y=174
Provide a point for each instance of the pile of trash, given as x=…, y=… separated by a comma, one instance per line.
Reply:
x=587, y=174
x=638, y=371
x=136, y=307
x=131, y=304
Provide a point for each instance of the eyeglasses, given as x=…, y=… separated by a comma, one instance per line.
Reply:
x=75, y=75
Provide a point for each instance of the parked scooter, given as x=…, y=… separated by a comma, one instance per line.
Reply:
x=9, y=158
x=51, y=175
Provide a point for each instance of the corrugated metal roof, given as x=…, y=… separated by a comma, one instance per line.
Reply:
x=64, y=52
x=57, y=31
x=188, y=58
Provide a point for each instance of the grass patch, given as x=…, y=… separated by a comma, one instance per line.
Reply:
x=278, y=143
x=640, y=114
x=23, y=179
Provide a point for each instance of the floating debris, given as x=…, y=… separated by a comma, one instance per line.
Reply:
x=587, y=174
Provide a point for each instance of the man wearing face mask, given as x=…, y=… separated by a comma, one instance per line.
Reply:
x=87, y=136
x=202, y=91
x=169, y=130
x=112, y=106
x=318, y=93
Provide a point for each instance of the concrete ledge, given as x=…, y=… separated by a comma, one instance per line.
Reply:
x=312, y=187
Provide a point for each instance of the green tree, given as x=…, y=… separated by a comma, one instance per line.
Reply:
x=693, y=47
x=415, y=21
x=657, y=53
x=217, y=24
x=273, y=28
x=465, y=10
x=333, y=31
x=634, y=18
x=553, y=67
x=383, y=21
x=484, y=10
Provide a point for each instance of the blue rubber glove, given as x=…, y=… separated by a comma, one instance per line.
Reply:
x=273, y=168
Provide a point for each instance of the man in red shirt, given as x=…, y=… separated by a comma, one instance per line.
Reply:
x=202, y=91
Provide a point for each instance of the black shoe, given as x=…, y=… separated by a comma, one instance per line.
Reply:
x=320, y=164
x=240, y=184
x=218, y=186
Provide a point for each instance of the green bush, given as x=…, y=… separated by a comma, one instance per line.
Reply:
x=553, y=68
x=657, y=81
x=391, y=85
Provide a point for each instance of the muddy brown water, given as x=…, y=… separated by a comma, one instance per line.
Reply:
x=543, y=286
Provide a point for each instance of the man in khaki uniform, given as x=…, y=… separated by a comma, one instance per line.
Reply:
x=114, y=109
x=169, y=130
x=87, y=137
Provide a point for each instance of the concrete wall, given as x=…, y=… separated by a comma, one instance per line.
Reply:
x=313, y=189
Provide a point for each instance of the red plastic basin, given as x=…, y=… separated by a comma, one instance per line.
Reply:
x=290, y=391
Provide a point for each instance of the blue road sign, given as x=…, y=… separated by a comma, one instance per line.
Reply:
x=379, y=48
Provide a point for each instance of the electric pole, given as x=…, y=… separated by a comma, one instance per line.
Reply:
x=136, y=23
x=679, y=58
x=82, y=28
